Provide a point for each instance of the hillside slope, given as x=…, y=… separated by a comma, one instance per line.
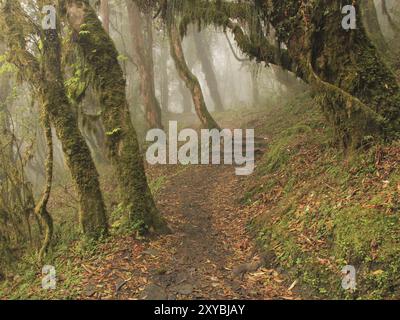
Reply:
x=318, y=210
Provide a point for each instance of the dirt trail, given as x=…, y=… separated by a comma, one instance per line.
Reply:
x=203, y=213
x=199, y=259
x=202, y=258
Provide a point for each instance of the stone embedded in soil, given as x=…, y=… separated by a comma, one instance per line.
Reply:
x=181, y=277
x=89, y=290
x=184, y=288
x=153, y=292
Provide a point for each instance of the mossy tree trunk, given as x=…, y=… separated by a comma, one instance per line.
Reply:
x=123, y=148
x=105, y=14
x=164, y=78
x=254, y=86
x=93, y=217
x=41, y=208
x=372, y=27
x=359, y=93
x=191, y=82
x=143, y=56
x=46, y=77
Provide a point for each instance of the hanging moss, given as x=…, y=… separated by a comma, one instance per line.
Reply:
x=359, y=93
x=344, y=68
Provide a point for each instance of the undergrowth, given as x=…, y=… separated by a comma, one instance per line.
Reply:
x=69, y=249
x=319, y=210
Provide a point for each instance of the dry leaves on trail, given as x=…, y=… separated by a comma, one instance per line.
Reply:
x=209, y=240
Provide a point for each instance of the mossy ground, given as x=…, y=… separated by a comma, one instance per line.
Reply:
x=319, y=210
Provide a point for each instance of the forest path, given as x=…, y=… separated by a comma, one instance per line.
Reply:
x=204, y=256
x=210, y=248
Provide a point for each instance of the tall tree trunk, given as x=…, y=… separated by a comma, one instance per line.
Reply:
x=92, y=209
x=254, y=85
x=41, y=208
x=373, y=28
x=5, y=86
x=123, y=147
x=387, y=14
x=164, y=80
x=105, y=14
x=143, y=56
x=191, y=82
x=203, y=53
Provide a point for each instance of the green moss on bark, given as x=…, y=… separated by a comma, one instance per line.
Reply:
x=191, y=81
x=101, y=56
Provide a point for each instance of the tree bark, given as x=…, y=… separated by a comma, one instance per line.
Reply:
x=191, y=82
x=123, y=147
x=373, y=28
x=254, y=85
x=105, y=14
x=92, y=209
x=142, y=49
x=164, y=79
x=41, y=208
